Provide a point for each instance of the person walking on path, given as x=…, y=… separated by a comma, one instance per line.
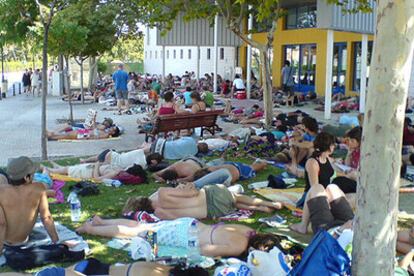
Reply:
x=26, y=82
x=120, y=78
x=35, y=78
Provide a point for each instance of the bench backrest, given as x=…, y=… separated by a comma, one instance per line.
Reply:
x=174, y=122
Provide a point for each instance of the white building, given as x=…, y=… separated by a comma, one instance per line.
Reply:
x=189, y=47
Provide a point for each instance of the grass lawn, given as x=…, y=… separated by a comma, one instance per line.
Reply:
x=110, y=201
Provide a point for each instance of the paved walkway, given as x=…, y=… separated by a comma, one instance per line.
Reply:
x=20, y=128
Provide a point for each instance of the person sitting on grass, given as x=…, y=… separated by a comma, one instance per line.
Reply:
x=405, y=240
x=301, y=145
x=214, y=240
x=318, y=168
x=97, y=171
x=212, y=201
x=235, y=171
x=85, y=134
x=348, y=181
x=181, y=171
x=21, y=202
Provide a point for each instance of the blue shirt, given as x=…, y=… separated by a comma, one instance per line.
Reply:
x=308, y=138
x=120, y=78
x=180, y=148
x=187, y=98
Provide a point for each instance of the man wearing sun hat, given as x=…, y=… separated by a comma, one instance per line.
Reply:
x=20, y=204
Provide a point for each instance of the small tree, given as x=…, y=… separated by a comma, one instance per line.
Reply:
x=68, y=39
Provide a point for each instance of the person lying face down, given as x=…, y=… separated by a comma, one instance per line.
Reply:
x=185, y=200
x=181, y=171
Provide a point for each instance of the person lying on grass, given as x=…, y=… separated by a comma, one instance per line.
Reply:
x=212, y=201
x=125, y=160
x=93, y=266
x=85, y=134
x=235, y=171
x=97, y=171
x=181, y=171
x=214, y=240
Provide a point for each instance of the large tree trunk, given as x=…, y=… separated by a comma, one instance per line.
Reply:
x=376, y=217
x=93, y=72
x=44, y=91
x=61, y=64
x=267, y=87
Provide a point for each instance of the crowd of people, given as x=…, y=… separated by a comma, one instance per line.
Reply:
x=193, y=188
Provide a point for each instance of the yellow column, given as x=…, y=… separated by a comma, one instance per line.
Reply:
x=349, y=72
x=321, y=66
x=243, y=59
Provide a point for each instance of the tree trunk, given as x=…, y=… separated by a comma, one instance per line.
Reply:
x=267, y=87
x=44, y=91
x=81, y=81
x=93, y=71
x=69, y=92
x=61, y=62
x=376, y=218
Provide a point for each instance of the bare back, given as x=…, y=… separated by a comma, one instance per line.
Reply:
x=20, y=205
x=186, y=168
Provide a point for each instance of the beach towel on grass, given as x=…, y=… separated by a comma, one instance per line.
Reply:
x=239, y=215
x=288, y=197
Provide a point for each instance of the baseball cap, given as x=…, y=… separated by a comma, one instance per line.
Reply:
x=18, y=168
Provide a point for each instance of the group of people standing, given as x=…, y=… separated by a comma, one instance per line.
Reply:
x=31, y=81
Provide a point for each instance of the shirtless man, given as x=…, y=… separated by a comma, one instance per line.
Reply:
x=181, y=171
x=85, y=134
x=17, y=220
x=185, y=200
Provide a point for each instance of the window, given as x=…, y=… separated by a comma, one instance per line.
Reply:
x=168, y=54
x=150, y=54
x=221, y=53
x=156, y=54
x=189, y=54
x=174, y=54
x=301, y=17
x=148, y=36
x=208, y=53
x=181, y=54
x=146, y=54
x=356, y=64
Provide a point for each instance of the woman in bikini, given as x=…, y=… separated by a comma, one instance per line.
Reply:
x=85, y=134
x=214, y=240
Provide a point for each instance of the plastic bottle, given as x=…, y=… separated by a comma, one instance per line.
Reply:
x=75, y=207
x=112, y=182
x=194, y=256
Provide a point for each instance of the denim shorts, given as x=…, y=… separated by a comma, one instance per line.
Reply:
x=121, y=94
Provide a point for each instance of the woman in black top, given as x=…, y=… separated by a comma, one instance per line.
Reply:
x=318, y=170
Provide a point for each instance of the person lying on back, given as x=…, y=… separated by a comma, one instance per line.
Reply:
x=20, y=204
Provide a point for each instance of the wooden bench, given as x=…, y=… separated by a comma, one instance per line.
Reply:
x=207, y=120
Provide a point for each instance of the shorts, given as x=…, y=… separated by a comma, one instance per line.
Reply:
x=347, y=185
x=83, y=171
x=220, y=201
x=246, y=172
x=121, y=94
x=325, y=216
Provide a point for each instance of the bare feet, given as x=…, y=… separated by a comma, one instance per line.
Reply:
x=85, y=228
x=277, y=205
x=299, y=228
x=97, y=220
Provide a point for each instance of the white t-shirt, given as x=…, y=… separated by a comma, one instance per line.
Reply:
x=128, y=159
x=238, y=83
x=216, y=143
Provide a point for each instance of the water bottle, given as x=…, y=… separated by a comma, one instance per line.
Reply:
x=75, y=207
x=193, y=244
x=112, y=182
